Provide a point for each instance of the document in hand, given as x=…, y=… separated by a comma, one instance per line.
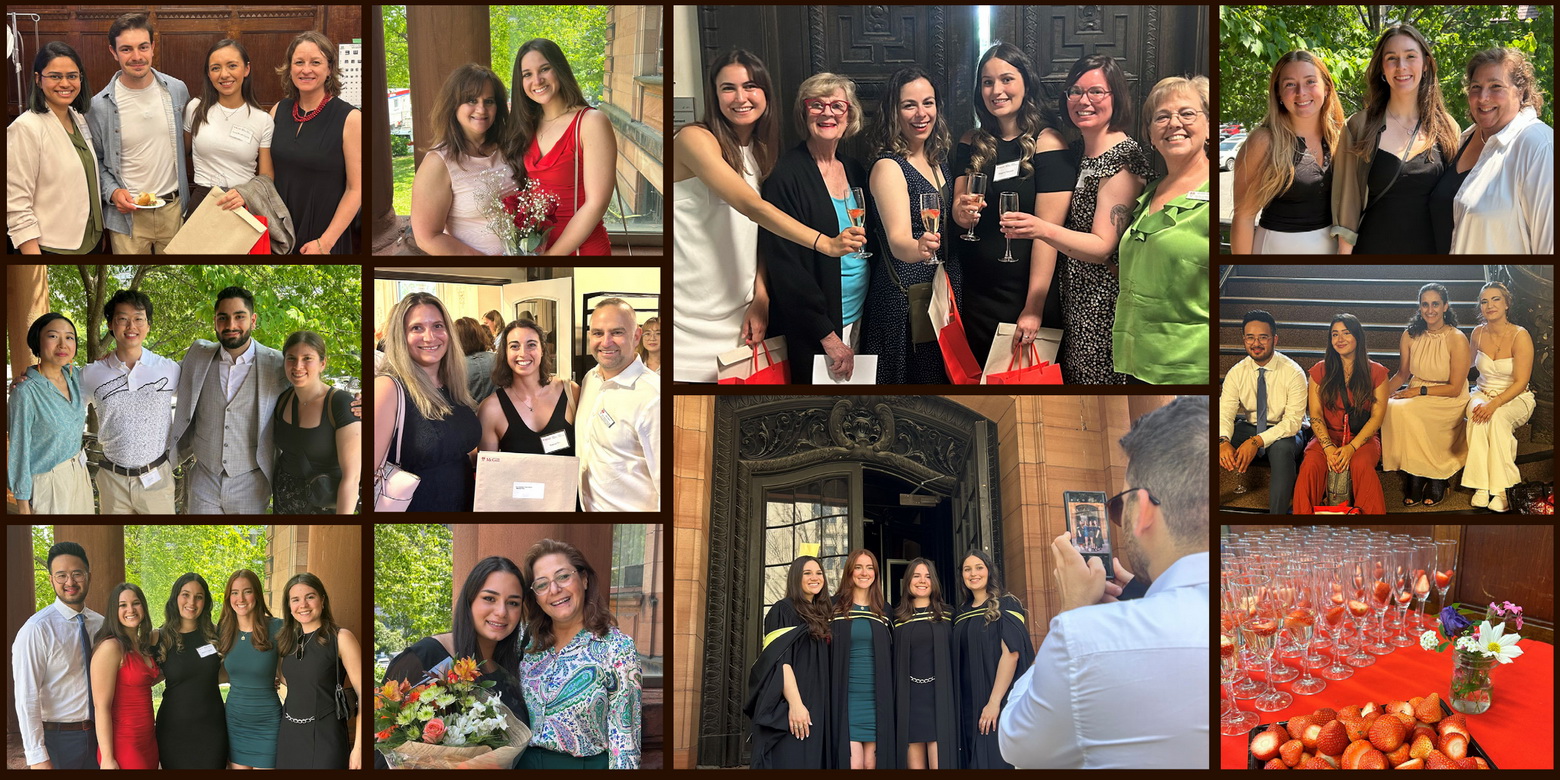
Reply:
x=212, y=231
x=517, y=482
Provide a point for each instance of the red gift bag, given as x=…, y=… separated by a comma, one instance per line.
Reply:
x=1038, y=372
x=770, y=372
x=958, y=359
x=263, y=245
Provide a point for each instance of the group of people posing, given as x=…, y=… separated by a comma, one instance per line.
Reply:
x=442, y=397
x=84, y=680
x=544, y=635
x=1396, y=178
x=1041, y=216
x=1431, y=426
x=265, y=428
x=483, y=147
x=78, y=164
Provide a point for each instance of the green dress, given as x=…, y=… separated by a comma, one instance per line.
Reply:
x=1162, y=315
x=254, y=711
x=862, y=701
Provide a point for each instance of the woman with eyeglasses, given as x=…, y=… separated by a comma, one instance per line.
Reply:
x=191, y=728
x=1160, y=335
x=1423, y=434
x=862, y=670
x=318, y=656
x=789, y=686
x=51, y=173
x=1348, y=393
x=990, y=645
x=573, y=636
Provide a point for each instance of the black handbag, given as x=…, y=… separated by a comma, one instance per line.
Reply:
x=346, y=698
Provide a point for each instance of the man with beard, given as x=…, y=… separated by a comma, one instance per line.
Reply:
x=1260, y=407
x=49, y=662
x=227, y=400
x=1124, y=684
x=618, y=426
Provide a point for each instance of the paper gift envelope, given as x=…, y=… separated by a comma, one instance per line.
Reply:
x=740, y=363
x=516, y=482
x=212, y=231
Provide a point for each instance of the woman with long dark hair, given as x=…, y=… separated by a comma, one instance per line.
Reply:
x=471, y=120
x=230, y=132
x=861, y=670
x=523, y=379
x=124, y=669
x=246, y=640
x=789, y=686
x=51, y=168
x=1348, y=392
x=317, y=655
x=923, y=666
x=191, y=724
x=1423, y=434
x=990, y=644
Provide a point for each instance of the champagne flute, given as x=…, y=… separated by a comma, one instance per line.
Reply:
x=1403, y=593
x=1355, y=586
x=1334, y=606
x=977, y=187
x=1445, y=566
x=1233, y=721
x=1009, y=204
x=858, y=214
x=931, y=220
x=1424, y=557
x=1379, y=594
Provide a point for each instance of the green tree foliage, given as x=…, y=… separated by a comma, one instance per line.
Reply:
x=43, y=590
x=579, y=30
x=397, y=72
x=413, y=584
x=158, y=555
x=1253, y=37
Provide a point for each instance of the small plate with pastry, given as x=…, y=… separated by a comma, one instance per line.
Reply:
x=147, y=200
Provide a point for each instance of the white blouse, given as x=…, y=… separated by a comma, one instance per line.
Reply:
x=1506, y=205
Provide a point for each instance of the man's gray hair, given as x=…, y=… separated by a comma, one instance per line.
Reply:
x=613, y=302
x=1167, y=455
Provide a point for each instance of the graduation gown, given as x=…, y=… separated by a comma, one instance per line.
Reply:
x=910, y=632
x=787, y=641
x=883, y=690
x=977, y=647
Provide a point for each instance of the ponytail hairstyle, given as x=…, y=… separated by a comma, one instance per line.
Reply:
x=1505, y=291
x=1031, y=117
x=843, y=593
x=906, y=609
x=1275, y=172
x=1416, y=323
x=765, y=139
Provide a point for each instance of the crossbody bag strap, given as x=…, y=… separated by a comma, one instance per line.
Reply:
x=1403, y=164
x=400, y=418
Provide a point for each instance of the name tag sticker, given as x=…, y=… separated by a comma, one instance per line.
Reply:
x=531, y=490
x=241, y=134
x=1007, y=170
x=557, y=440
x=607, y=418
x=1197, y=195
x=81, y=458
x=151, y=478
x=206, y=650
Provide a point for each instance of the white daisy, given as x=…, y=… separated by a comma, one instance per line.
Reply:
x=1494, y=641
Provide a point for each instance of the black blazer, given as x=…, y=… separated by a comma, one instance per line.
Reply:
x=804, y=286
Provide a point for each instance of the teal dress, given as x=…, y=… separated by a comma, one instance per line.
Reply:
x=254, y=711
x=862, y=701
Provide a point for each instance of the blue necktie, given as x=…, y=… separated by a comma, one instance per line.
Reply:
x=1262, y=412
x=86, y=662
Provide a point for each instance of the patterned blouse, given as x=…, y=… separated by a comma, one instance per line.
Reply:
x=585, y=698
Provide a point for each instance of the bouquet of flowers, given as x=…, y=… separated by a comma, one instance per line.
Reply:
x=1477, y=649
x=522, y=218
x=446, y=721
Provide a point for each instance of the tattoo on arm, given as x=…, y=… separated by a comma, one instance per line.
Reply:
x=1120, y=218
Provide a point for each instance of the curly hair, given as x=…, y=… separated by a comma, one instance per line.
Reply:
x=889, y=134
x=1032, y=115
x=1417, y=324
x=1518, y=69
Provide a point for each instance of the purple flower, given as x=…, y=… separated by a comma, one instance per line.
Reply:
x=1453, y=623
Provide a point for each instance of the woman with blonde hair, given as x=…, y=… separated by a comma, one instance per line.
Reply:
x=315, y=149
x=1284, y=170
x=1502, y=402
x=1393, y=151
x=471, y=118
x=650, y=344
x=425, y=373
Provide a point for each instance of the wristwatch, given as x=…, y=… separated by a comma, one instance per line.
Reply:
x=1224, y=440
x=1423, y=389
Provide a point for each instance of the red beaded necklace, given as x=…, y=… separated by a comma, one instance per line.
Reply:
x=301, y=117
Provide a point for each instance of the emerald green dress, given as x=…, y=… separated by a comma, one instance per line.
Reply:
x=1162, y=315
x=254, y=711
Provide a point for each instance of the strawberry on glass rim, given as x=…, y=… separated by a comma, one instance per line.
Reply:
x=1299, y=617
x=1443, y=578
x=1333, y=616
x=1358, y=608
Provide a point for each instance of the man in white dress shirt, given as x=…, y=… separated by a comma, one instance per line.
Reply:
x=1124, y=684
x=49, y=663
x=618, y=427
x=1261, y=405
x=133, y=389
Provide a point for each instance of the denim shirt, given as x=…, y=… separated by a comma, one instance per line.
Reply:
x=104, y=121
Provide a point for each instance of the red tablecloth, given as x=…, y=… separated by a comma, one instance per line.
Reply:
x=1517, y=731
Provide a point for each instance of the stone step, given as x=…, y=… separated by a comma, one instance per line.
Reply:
x=1417, y=273
x=1285, y=309
x=1464, y=294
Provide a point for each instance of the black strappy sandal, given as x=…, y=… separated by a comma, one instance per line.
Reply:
x=1413, y=488
x=1435, y=490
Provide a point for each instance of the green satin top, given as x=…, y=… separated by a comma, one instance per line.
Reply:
x=1161, y=332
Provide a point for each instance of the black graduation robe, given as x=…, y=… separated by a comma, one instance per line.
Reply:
x=787, y=641
x=883, y=666
x=977, y=647
x=942, y=664
x=804, y=286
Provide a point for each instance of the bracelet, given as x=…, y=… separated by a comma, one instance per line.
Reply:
x=815, y=241
x=320, y=246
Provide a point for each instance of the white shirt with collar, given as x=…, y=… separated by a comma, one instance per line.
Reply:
x=1507, y=204
x=1121, y=685
x=618, y=428
x=50, y=673
x=231, y=371
x=1286, y=392
x=134, y=405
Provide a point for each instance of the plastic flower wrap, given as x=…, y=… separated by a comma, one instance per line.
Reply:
x=448, y=720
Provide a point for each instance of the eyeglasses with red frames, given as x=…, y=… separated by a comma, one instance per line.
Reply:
x=819, y=107
x=1116, y=505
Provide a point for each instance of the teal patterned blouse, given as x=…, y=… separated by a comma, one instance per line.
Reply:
x=585, y=698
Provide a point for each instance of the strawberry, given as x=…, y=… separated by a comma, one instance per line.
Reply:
x=1429, y=709
x=1422, y=585
x=1265, y=746
x=1358, y=608
x=1324, y=715
x=1443, y=578
x=1354, y=726
x=1333, y=615
x=1450, y=726
x=1407, y=720
x=1479, y=763
x=1467, y=762
x=1352, y=753
x=1398, y=756
x=1422, y=730
x=1400, y=706
x=1454, y=745
x=1298, y=619
x=1373, y=759
x=1276, y=763
x=1370, y=707
x=1352, y=709
x=1381, y=591
x=1387, y=733
x=1456, y=720
x=1421, y=747
x=1412, y=763
x=1438, y=760
x=1316, y=763
x=1226, y=646
x=1313, y=731
x=1332, y=739
x=1297, y=725
x=1290, y=751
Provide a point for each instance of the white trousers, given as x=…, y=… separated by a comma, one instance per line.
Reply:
x=1492, y=446
x=1311, y=242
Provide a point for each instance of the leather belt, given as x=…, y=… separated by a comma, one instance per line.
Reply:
x=136, y=472
x=85, y=725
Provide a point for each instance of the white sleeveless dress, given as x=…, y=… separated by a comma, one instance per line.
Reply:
x=714, y=261
x=465, y=221
x=1492, y=446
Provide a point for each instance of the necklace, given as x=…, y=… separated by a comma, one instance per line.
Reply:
x=299, y=116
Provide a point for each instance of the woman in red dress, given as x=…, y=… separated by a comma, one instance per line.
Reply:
x=123, y=673
x=1348, y=392
x=568, y=147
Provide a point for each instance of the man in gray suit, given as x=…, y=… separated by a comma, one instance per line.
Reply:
x=226, y=399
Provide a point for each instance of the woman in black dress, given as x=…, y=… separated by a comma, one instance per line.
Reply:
x=923, y=642
x=191, y=723
x=990, y=644
x=317, y=656
x=1018, y=150
x=1393, y=152
x=424, y=371
x=531, y=410
x=789, y=685
x=316, y=149
x=318, y=452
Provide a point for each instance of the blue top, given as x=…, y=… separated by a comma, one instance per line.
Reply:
x=853, y=271
x=44, y=428
x=103, y=120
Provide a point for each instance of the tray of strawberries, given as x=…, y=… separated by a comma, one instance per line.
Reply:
x=1421, y=733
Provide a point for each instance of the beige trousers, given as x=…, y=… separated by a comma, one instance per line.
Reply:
x=122, y=495
x=64, y=490
x=149, y=229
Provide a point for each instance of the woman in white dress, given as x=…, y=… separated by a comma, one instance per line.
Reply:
x=472, y=112
x=721, y=301
x=1502, y=402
